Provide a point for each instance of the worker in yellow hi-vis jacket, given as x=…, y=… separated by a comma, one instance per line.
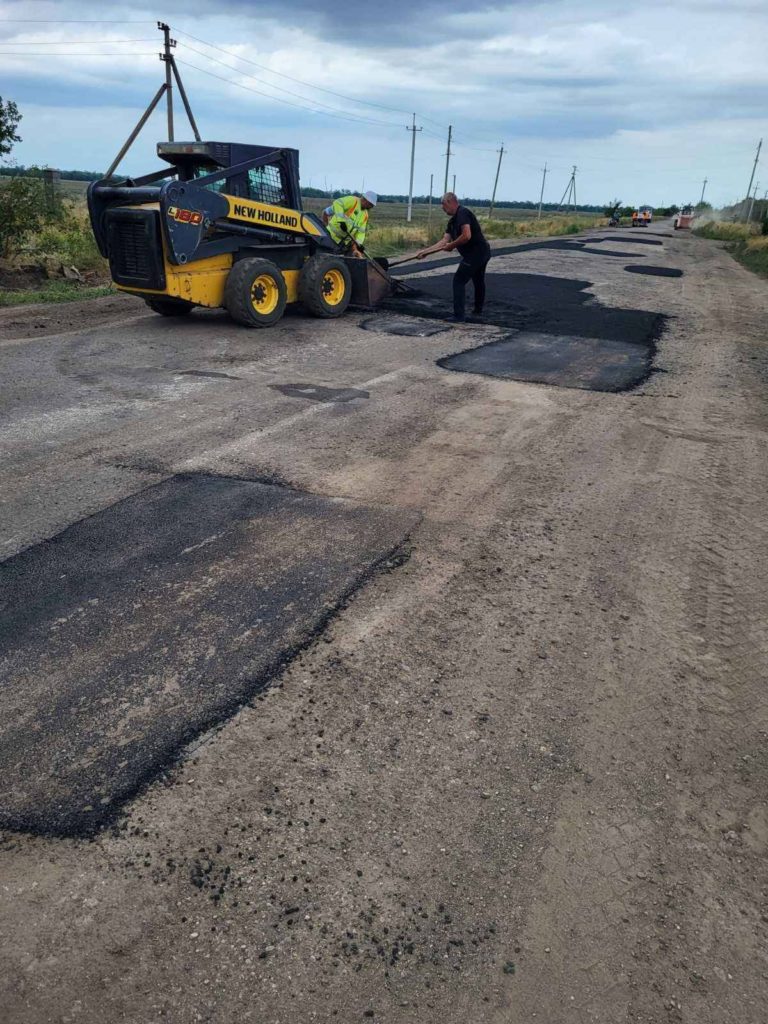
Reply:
x=347, y=221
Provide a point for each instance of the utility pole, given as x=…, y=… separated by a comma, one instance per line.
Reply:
x=541, y=196
x=454, y=184
x=752, y=202
x=570, y=190
x=429, y=205
x=496, y=181
x=413, y=131
x=448, y=158
x=702, y=191
x=754, y=168
x=166, y=57
x=165, y=90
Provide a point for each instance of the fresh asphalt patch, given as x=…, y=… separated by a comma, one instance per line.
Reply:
x=557, y=333
x=654, y=271
x=634, y=240
x=569, y=361
x=320, y=393
x=133, y=630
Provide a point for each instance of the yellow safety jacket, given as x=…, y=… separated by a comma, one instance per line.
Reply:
x=347, y=210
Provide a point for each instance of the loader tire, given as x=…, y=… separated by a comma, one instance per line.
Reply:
x=170, y=307
x=255, y=293
x=325, y=286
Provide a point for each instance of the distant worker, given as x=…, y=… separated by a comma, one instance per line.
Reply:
x=347, y=221
x=465, y=234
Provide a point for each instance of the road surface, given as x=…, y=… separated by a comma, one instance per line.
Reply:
x=384, y=669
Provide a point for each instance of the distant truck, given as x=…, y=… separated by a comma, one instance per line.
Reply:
x=642, y=216
x=683, y=219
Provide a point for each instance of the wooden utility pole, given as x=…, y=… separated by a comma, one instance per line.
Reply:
x=496, y=181
x=429, y=205
x=703, y=187
x=413, y=131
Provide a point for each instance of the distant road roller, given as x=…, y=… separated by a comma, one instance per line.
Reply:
x=223, y=226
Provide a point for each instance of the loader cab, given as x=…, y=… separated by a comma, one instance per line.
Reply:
x=274, y=182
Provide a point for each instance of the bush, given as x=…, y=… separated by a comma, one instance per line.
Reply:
x=70, y=240
x=22, y=212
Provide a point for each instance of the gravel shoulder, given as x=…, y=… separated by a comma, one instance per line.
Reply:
x=520, y=776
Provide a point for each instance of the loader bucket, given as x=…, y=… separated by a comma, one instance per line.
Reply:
x=369, y=287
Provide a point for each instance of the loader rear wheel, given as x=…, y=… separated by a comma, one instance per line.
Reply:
x=325, y=286
x=170, y=307
x=255, y=293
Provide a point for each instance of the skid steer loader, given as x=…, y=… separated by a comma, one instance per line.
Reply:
x=223, y=227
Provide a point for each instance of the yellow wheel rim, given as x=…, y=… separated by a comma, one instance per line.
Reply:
x=265, y=294
x=334, y=287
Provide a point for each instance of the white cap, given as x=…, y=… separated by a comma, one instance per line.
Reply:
x=371, y=197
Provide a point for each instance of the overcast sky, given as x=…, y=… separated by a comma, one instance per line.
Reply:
x=647, y=99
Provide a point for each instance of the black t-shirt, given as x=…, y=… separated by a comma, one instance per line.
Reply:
x=477, y=246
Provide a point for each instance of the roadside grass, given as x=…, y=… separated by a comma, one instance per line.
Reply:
x=745, y=243
x=54, y=291
x=726, y=231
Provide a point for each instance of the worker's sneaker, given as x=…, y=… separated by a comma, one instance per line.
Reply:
x=457, y=319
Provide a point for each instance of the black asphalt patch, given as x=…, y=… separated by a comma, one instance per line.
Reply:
x=399, y=325
x=555, y=305
x=655, y=271
x=549, y=306
x=320, y=393
x=594, y=364
x=130, y=632
x=634, y=240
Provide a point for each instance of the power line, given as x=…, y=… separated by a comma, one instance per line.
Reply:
x=73, y=21
x=70, y=42
x=142, y=53
x=279, y=99
x=288, y=92
x=290, y=78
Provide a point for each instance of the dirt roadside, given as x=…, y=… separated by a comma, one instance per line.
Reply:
x=520, y=777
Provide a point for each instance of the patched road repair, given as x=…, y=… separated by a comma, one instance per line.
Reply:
x=385, y=668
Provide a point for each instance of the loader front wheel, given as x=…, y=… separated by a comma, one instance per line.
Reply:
x=170, y=307
x=325, y=286
x=255, y=294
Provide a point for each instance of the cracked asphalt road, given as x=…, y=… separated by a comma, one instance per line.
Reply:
x=519, y=775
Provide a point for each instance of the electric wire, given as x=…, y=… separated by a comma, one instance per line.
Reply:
x=279, y=99
x=298, y=81
x=70, y=42
x=288, y=92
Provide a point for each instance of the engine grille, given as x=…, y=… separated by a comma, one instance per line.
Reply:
x=135, y=248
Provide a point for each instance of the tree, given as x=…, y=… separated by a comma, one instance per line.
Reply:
x=702, y=207
x=612, y=208
x=9, y=122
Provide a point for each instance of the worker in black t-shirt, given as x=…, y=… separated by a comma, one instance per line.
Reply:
x=465, y=234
